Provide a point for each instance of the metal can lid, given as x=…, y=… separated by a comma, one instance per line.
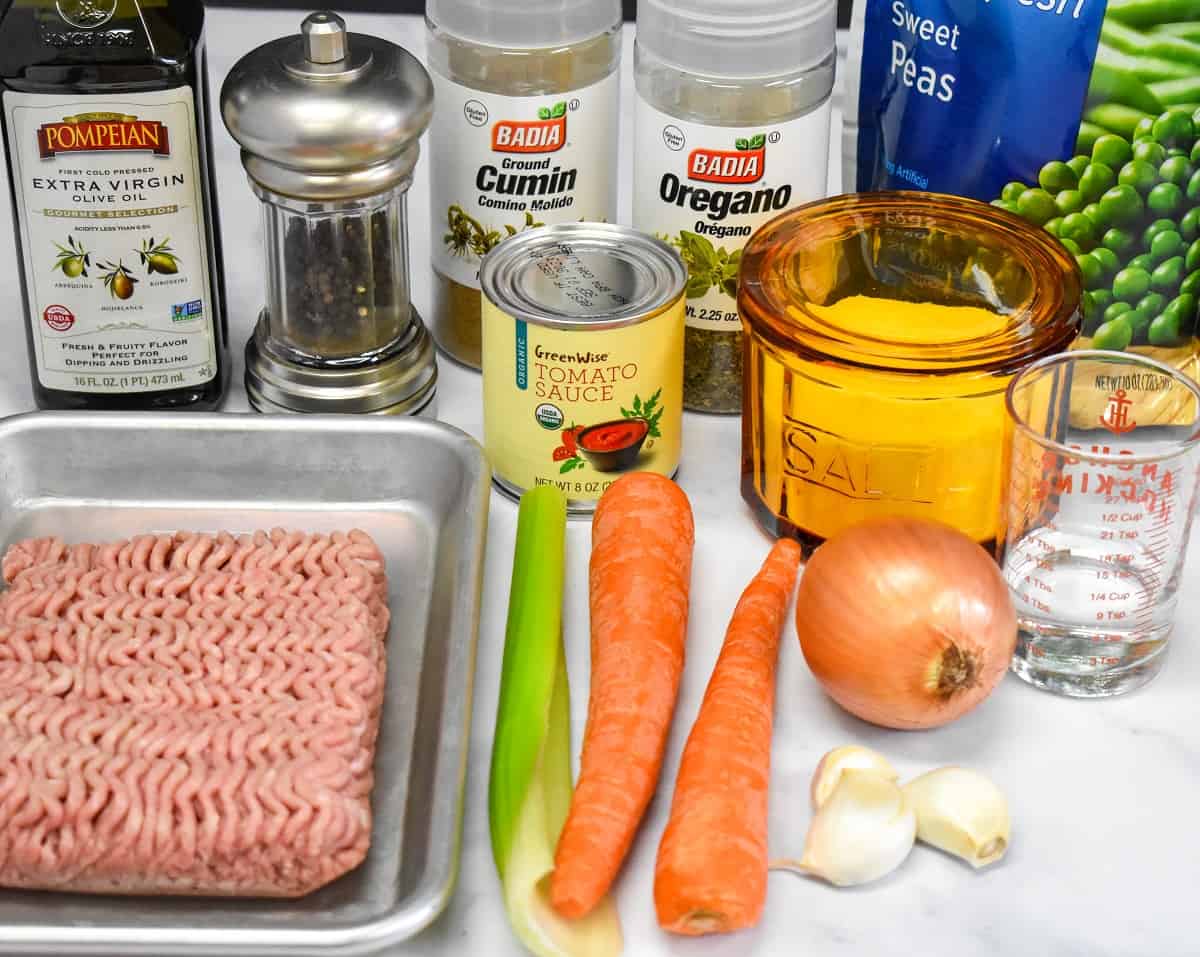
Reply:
x=583, y=275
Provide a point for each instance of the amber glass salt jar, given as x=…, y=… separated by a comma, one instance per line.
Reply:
x=881, y=332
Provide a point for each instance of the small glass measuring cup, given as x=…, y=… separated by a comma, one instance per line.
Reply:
x=1102, y=483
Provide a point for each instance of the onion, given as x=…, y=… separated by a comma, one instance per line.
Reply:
x=905, y=623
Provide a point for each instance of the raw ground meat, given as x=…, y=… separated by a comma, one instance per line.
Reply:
x=189, y=713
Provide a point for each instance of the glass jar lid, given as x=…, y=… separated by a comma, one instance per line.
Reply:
x=911, y=247
x=327, y=114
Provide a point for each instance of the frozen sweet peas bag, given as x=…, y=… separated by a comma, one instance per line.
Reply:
x=1081, y=117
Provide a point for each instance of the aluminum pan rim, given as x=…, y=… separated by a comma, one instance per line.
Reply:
x=432, y=893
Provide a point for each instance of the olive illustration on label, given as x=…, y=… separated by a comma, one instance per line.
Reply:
x=159, y=257
x=72, y=259
x=118, y=280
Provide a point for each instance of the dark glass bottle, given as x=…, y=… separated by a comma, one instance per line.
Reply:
x=106, y=132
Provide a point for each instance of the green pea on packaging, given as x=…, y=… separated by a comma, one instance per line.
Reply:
x=1079, y=116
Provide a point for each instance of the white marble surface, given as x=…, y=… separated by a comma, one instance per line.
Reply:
x=1104, y=861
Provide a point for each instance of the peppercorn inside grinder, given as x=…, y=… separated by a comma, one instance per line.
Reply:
x=328, y=122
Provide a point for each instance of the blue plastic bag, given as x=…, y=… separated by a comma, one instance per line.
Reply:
x=1080, y=116
x=963, y=96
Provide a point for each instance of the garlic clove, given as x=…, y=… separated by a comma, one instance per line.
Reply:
x=961, y=812
x=829, y=770
x=863, y=832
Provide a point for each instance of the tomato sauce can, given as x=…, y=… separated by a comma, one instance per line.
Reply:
x=582, y=358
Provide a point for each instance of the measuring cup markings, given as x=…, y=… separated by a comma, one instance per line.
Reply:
x=1135, y=512
x=1099, y=482
x=1098, y=521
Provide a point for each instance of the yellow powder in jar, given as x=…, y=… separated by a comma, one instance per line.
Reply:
x=838, y=442
x=908, y=323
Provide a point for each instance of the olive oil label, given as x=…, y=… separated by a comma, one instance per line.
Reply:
x=706, y=189
x=113, y=238
x=504, y=164
x=577, y=409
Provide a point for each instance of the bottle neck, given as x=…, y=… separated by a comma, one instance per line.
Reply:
x=107, y=46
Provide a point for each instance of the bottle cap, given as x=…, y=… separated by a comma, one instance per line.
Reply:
x=738, y=38
x=324, y=37
x=325, y=114
x=525, y=24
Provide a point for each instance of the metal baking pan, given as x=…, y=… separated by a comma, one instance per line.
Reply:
x=421, y=489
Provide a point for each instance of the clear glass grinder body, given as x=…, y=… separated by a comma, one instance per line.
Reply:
x=337, y=290
x=329, y=122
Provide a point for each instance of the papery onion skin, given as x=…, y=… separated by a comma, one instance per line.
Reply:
x=906, y=623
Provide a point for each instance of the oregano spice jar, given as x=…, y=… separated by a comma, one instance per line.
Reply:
x=731, y=128
x=525, y=134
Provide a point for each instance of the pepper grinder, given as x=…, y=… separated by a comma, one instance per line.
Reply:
x=328, y=122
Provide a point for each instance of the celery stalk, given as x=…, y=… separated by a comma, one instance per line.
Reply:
x=530, y=788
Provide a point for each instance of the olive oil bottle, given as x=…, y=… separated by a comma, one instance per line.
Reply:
x=104, y=105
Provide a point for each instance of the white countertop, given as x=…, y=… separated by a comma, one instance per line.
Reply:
x=1103, y=861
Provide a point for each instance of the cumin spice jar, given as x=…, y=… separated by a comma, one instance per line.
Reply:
x=525, y=134
x=882, y=332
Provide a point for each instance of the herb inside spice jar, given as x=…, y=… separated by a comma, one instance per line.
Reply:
x=712, y=370
x=456, y=309
x=712, y=373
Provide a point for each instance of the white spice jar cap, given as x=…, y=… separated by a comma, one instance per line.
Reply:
x=524, y=24
x=738, y=38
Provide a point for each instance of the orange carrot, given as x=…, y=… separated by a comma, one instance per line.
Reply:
x=642, y=537
x=711, y=875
